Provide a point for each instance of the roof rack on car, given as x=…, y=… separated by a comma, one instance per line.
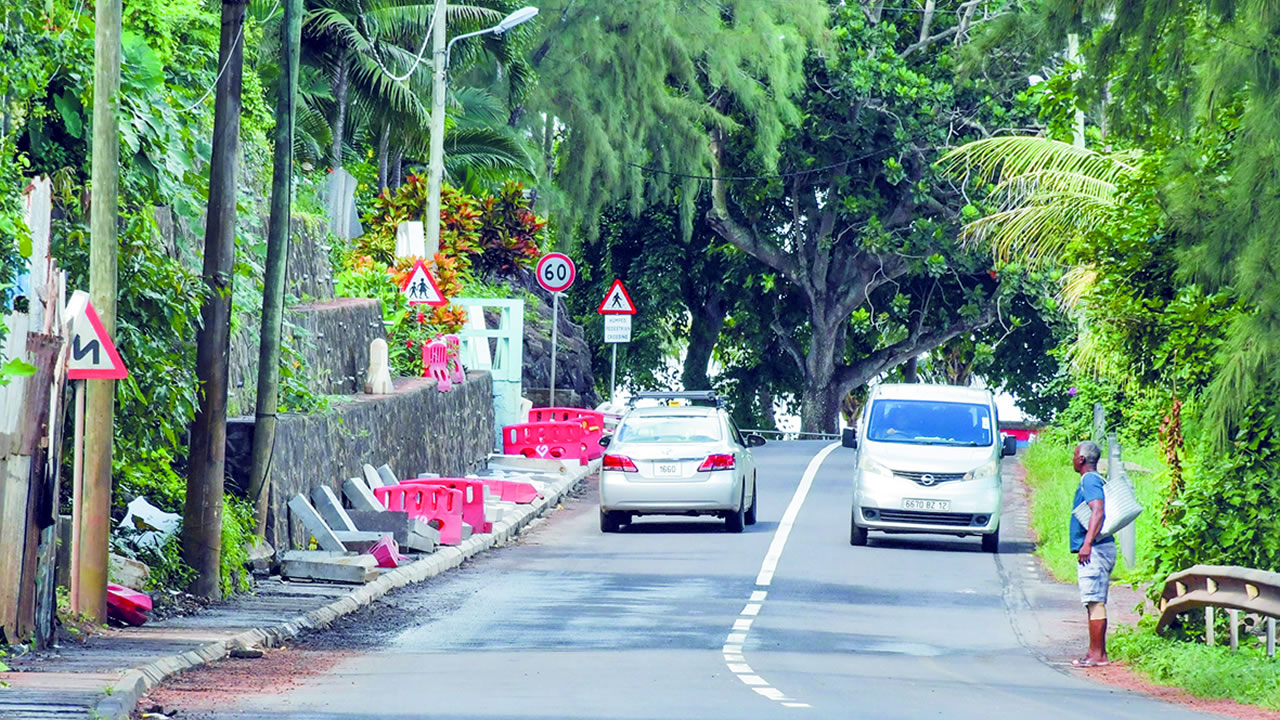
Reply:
x=707, y=396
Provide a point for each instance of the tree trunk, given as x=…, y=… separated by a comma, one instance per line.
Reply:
x=341, y=86
x=909, y=371
x=202, y=513
x=703, y=334
x=396, y=168
x=820, y=401
x=384, y=142
x=766, y=408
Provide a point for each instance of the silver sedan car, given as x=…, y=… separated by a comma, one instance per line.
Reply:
x=684, y=460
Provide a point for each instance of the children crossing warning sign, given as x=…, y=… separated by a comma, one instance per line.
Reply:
x=421, y=288
x=93, y=355
x=617, y=301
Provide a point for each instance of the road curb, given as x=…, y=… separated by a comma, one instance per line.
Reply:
x=119, y=700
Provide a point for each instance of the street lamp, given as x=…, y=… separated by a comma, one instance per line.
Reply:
x=440, y=60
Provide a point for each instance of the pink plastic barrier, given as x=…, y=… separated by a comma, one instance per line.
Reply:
x=512, y=490
x=472, y=498
x=559, y=440
x=592, y=422
x=127, y=605
x=435, y=364
x=440, y=507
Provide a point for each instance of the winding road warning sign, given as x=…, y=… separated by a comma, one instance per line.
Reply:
x=93, y=355
x=617, y=301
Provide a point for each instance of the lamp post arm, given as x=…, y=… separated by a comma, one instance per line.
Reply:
x=449, y=48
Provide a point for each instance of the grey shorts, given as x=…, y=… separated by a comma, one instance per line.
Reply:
x=1095, y=578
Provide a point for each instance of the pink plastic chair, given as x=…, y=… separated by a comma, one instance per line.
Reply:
x=457, y=373
x=435, y=364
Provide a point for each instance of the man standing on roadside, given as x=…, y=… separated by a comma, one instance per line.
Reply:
x=1097, y=555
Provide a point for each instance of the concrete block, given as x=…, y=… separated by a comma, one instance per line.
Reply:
x=315, y=524
x=372, y=478
x=407, y=531
x=388, y=477
x=357, y=569
x=360, y=496
x=330, y=508
x=128, y=572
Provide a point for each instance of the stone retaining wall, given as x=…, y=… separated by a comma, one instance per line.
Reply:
x=414, y=430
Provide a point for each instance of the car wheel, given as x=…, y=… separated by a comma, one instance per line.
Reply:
x=991, y=543
x=751, y=511
x=737, y=519
x=610, y=522
x=857, y=533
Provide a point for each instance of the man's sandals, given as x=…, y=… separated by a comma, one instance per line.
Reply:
x=1085, y=662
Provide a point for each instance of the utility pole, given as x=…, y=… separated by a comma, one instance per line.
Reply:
x=100, y=395
x=438, y=61
x=264, y=427
x=202, y=514
x=1073, y=55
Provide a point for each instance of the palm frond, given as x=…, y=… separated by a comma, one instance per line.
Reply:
x=1037, y=234
x=1001, y=158
x=1077, y=283
x=1025, y=188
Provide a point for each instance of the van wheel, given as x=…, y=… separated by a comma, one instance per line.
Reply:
x=991, y=543
x=857, y=533
x=610, y=522
x=751, y=511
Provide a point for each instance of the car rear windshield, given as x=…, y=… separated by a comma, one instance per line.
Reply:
x=924, y=422
x=669, y=429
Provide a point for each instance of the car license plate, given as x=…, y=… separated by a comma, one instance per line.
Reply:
x=927, y=505
x=666, y=469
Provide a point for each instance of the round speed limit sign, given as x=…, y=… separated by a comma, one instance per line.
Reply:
x=556, y=272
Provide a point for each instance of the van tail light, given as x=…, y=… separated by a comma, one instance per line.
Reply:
x=619, y=463
x=716, y=462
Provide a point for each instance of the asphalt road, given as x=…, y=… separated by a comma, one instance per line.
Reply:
x=678, y=619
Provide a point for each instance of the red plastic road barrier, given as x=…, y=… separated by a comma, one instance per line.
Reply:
x=559, y=440
x=127, y=605
x=592, y=422
x=440, y=507
x=472, y=498
x=513, y=491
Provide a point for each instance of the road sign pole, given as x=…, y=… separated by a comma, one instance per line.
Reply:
x=613, y=375
x=77, y=495
x=555, y=323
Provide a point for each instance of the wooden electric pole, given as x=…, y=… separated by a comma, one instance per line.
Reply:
x=100, y=395
x=202, y=515
x=264, y=427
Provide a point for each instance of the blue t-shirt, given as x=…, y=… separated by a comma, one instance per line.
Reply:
x=1090, y=489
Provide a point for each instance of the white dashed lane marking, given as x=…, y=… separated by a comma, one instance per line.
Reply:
x=734, y=657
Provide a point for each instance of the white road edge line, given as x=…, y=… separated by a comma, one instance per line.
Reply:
x=765, y=578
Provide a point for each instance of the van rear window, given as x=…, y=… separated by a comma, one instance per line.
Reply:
x=924, y=422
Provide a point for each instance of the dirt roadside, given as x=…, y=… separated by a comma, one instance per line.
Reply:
x=1067, y=637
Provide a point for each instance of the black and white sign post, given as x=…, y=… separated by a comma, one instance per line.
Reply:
x=617, y=309
x=556, y=273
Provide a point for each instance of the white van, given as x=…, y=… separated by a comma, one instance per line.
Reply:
x=928, y=461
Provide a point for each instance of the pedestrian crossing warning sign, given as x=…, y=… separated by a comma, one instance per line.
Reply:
x=93, y=355
x=421, y=288
x=617, y=301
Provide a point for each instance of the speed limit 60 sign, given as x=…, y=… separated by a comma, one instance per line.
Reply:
x=556, y=272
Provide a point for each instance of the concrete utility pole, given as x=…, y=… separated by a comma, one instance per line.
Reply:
x=100, y=395
x=438, y=61
x=264, y=428
x=202, y=514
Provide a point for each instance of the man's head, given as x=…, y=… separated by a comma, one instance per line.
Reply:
x=1086, y=457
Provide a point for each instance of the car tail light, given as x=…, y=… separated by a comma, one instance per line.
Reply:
x=619, y=463
x=716, y=462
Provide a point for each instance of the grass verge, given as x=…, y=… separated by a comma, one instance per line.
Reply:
x=1212, y=672
x=1053, y=486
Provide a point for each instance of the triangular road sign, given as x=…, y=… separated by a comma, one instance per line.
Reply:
x=421, y=288
x=617, y=301
x=93, y=355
